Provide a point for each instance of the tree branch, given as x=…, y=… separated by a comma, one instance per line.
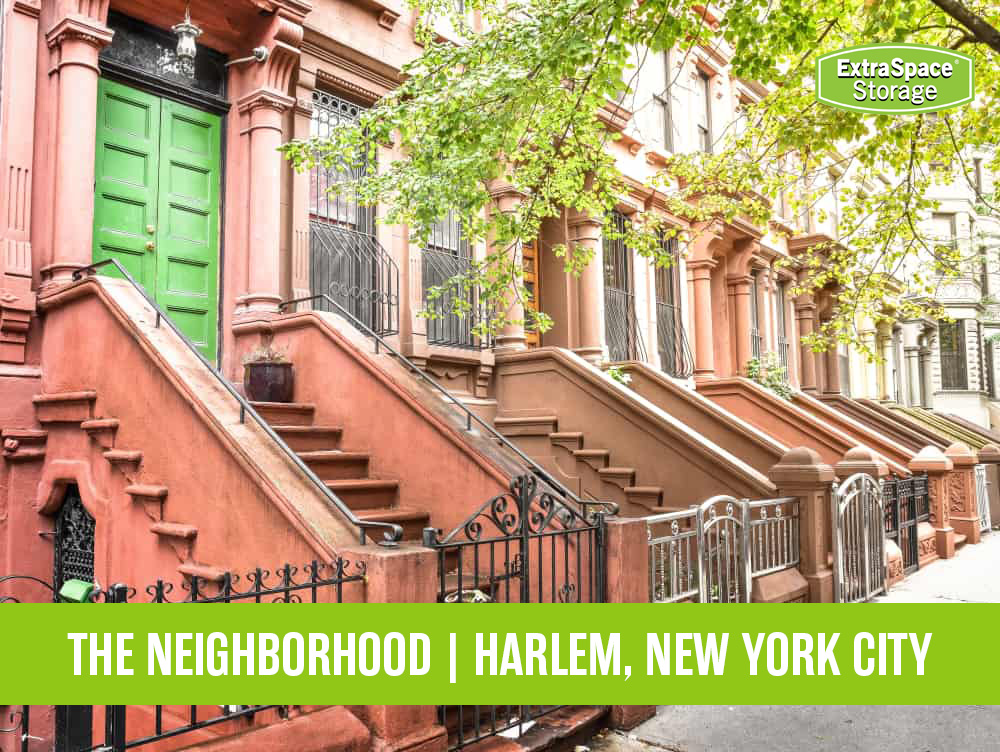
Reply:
x=983, y=31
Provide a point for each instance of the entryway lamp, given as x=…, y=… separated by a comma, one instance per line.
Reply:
x=186, y=33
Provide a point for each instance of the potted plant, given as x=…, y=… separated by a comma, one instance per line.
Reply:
x=268, y=375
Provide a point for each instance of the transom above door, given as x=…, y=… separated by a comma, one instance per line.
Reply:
x=156, y=202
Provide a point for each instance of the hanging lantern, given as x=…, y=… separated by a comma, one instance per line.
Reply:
x=186, y=33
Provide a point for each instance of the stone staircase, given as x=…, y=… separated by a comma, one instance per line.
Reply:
x=345, y=472
x=586, y=469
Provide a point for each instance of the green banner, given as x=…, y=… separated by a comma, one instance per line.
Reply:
x=894, y=78
x=489, y=654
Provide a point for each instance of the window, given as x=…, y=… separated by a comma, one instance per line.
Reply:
x=621, y=326
x=447, y=255
x=662, y=99
x=704, y=100
x=330, y=112
x=943, y=229
x=951, y=345
x=781, y=323
x=756, y=341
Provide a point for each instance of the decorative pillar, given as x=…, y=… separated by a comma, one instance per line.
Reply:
x=76, y=41
x=266, y=109
x=962, y=501
x=700, y=274
x=831, y=362
x=802, y=474
x=511, y=338
x=938, y=467
x=17, y=144
x=740, y=287
x=586, y=231
x=805, y=312
x=263, y=108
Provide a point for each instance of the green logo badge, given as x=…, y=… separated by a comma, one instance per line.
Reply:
x=894, y=78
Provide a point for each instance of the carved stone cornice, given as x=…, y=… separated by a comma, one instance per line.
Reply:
x=365, y=96
x=265, y=98
x=79, y=28
x=30, y=8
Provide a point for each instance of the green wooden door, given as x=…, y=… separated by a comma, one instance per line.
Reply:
x=157, y=202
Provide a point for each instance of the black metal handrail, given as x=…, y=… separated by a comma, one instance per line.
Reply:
x=26, y=577
x=470, y=417
x=392, y=533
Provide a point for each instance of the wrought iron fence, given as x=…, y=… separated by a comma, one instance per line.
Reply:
x=983, y=500
x=355, y=270
x=121, y=727
x=899, y=497
x=445, y=327
x=467, y=724
x=675, y=355
x=710, y=553
x=523, y=546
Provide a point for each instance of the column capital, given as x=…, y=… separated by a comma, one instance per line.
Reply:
x=265, y=98
x=584, y=227
x=79, y=28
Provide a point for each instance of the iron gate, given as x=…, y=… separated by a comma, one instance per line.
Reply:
x=858, y=517
x=899, y=496
x=522, y=546
x=983, y=500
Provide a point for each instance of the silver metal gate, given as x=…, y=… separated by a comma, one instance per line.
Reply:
x=858, y=539
x=723, y=524
x=983, y=500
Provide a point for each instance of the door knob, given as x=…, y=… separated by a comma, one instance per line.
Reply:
x=150, y=246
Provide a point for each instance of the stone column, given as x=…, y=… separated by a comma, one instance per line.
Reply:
x=861, y=459
x=266, y=109
x=586, y=232
x=700, y=273
x=628, y=582
x=802, y=474
x=938, y=467
x=17, y=144
x=740, y=288
x=77, y=41
x=962, y=491
x=989, y=455
x=511, y=338
x=805, y=313
x=831, y=361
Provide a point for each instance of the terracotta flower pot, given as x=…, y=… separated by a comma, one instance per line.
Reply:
x=269, y=382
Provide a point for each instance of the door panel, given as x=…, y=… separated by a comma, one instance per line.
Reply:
x=187, y=240
x=156, y=208
x=126, y=177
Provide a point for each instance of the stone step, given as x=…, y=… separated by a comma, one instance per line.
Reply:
x=65, y=407
x=174, y=530
x=365, y=493
x=202, y=571
x=646, y=496
x=567, y=439
x=310, y=438
x=101, y=430
x=960, y=539
x=527, y=426
x=123, y=459
x=412, y=519
x=150, y=496
x=596, y=458
x=623, y=477
x=333, y=464
x=286, y=413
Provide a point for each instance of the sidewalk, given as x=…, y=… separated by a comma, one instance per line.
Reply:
x=971, y=576
x=810, y=728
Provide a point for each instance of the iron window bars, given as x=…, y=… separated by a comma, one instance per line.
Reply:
x=672, y=344
x=951, y=344
x=345, y=258
x=621, y=323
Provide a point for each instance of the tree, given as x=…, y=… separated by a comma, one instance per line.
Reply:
x=518, y=101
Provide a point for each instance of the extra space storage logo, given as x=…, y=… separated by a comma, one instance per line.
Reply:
x=894, y=78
